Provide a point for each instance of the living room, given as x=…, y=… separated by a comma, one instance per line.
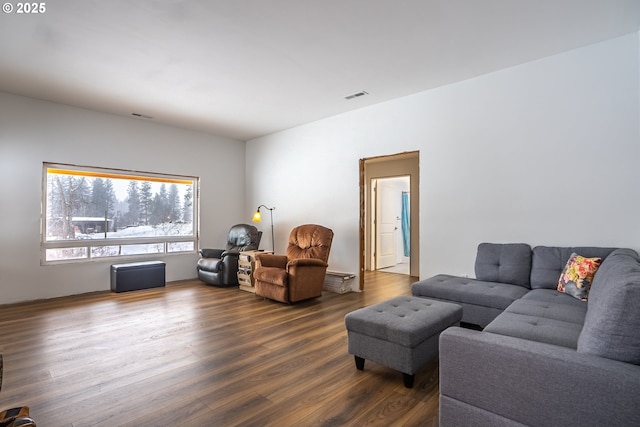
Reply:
x=542, y=151
x=501, y=156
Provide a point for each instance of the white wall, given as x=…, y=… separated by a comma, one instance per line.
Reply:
x=543, y=153
x=33, y=132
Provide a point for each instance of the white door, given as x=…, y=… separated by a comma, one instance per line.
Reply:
x=385, y=224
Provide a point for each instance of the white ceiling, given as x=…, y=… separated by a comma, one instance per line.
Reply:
x=247, y=68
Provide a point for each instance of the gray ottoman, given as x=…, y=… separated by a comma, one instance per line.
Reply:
x=401, y=333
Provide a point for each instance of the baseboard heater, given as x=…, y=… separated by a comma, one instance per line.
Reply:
x=137, y=275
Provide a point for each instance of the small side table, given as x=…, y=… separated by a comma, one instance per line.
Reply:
x=246, y=264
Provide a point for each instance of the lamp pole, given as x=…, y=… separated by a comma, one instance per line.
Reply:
x=273, y=242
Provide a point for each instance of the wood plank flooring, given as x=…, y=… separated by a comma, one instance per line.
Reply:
x=195, y=355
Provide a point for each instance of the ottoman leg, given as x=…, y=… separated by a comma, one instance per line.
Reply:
x=359, y=363
x=408, y=380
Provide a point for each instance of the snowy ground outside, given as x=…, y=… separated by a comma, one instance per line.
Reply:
x=168, y=229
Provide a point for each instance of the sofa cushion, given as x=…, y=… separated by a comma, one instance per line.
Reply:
x=612, y=324
x=470, y=291
x=536, y=328
x=548, y=262
x=504, y=263
x=551, y=295
x=551, y=309
x=576, y=278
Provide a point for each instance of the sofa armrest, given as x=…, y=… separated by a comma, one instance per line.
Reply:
x=534, y=383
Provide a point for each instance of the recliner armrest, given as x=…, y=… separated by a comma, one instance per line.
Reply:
x=307, y=262
x=231, y=253
x=211, y=253
x=271, y=260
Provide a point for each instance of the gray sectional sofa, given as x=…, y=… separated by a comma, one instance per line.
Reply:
x=542, y=358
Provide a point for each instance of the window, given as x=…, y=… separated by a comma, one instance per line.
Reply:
x=93, y=213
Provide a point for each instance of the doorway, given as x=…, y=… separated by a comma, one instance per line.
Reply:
x=390, y=224
x=387, y=174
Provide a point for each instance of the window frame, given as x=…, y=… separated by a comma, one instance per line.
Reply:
x=88, y=244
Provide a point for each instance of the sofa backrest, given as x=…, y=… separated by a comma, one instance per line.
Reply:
x=612, y=324
x=504, y=263
x=547, y=262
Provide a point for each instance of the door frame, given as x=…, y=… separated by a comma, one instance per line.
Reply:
x=400, y=164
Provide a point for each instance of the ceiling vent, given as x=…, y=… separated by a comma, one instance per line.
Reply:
x=142, y=116
x=356, y=95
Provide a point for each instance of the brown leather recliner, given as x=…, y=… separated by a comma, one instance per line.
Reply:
x=300, y=274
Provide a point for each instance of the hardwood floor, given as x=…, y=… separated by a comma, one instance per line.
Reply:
x=195, y=355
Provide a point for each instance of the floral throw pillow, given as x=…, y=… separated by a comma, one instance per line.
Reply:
x=577, y=276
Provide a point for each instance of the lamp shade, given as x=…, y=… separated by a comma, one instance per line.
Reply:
x=257, y=216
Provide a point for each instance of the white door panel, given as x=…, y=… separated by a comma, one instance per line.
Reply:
x=385, y=225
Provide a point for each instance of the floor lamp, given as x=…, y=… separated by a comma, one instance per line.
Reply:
x=257, y=217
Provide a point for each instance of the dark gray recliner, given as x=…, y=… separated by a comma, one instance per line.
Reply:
x=219, y=267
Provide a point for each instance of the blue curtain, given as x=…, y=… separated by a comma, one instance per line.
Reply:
x=406, y=231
